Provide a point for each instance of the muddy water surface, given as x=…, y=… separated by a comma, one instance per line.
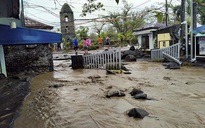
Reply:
x=79, y=100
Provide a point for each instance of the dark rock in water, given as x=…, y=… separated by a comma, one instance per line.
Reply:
x=135, y=92
x=130, y=58
x=76, y=89
x=139, y=53
x=132, y=48
x=128, y=52
x=65, y=55
x=56, y=86
x=140, y=96
x=115, y=93
x=137, y=113
x=172, y=66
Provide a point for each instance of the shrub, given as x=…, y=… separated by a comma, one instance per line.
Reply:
x=93, y=47
x=80, y=46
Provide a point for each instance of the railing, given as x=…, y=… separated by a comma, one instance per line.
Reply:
x=110, y=59
x=174, y=51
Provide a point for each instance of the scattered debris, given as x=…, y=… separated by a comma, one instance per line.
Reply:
x=127, y=72
x=117, y=72
x=171, y=65
x=166, y=78
x=188, y=83
x=137, y=113
x=109, y=87
x=76, y=89
x=113, y=71
x=115, y=93
x=56, y=86
x=94, y=77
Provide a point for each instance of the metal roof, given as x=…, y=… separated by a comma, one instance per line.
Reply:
x=150, y=26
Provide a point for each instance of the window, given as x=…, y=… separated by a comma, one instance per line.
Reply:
x=66, y=18
x=66, y=29
x=164, y=44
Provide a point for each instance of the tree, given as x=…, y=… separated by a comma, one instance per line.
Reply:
x=82, y=32
x=126, y=21
x=92, y=6
x=98, y=27
x=201, y=10
x=159, y=15
x=93, y=37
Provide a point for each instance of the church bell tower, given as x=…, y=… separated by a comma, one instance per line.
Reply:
x=67, y=22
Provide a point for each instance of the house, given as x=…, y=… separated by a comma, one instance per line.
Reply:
x=147, y=35
x=167, y=36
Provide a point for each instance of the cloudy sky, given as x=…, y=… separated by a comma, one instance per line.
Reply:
x=47, y=11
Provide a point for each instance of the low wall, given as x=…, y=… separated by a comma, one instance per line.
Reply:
x=28, y=59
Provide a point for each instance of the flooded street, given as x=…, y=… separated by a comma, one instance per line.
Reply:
x=69, y=98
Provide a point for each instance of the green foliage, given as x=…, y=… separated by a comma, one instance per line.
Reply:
x=82, y=32
x=63, y=40
x=93, y=47
x=91, y=6
x=103, y=35
x=159, y=15
x=67, y=45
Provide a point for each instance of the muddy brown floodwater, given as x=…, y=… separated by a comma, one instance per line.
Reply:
x=69, y=98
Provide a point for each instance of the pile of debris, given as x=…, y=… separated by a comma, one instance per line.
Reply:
x=132, y=54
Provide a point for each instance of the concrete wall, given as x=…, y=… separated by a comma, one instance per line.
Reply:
x=29, y=59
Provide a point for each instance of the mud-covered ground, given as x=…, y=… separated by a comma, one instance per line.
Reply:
x=69, y=98
x=12, y=93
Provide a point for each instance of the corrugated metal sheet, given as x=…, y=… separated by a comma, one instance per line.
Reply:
x=22, y=35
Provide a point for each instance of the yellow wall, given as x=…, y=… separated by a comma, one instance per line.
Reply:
x=165, y=37
x=163, y=44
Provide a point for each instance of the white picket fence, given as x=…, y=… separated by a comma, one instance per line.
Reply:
x=174, y=51
x=110, y=59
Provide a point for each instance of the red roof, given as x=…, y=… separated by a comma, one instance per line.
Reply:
x=31, y=23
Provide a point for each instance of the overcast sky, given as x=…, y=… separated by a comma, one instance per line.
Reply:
x=49, y=11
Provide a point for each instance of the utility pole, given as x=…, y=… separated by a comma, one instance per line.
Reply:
x=182, y=33
x=192, y=27
x=166, y=13
x=186, y=29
